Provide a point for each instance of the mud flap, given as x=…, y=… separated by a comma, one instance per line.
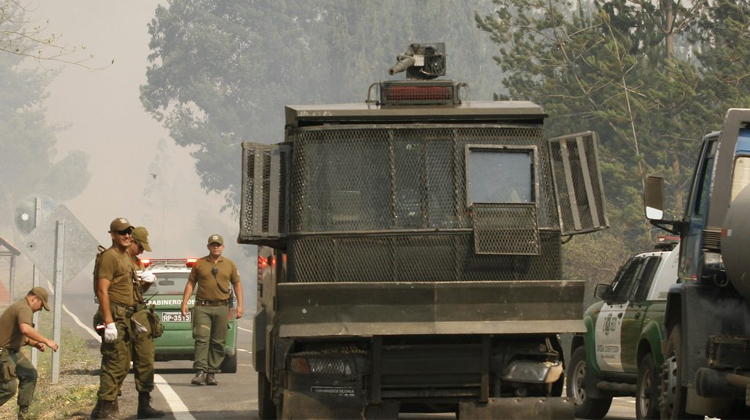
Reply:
x=518, y=408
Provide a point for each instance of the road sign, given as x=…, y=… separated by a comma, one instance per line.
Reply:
x=80, y=246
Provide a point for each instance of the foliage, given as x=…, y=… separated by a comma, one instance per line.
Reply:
x=612, y=67
x=222, y=71
x=21, y=37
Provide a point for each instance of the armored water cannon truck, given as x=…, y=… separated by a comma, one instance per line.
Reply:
x=707, y=359
x=410, y=254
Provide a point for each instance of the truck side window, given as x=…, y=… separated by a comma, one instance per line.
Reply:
x=501, y=176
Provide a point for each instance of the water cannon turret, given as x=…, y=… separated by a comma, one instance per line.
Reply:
x=421, y=61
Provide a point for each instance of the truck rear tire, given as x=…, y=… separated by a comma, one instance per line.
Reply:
x=673, y=394
x=586, y=407
x=647, y=393
x=266, y=406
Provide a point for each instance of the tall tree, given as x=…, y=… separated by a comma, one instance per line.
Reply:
x=222, y=70
x=610, y=67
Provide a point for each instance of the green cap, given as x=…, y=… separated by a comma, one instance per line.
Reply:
x=215, y=238
x=120, y=224
x=140, y=234
x=41, y=293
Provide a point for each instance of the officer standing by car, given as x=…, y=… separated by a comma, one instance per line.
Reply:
x=215, y=276
x=114, y=277
x=16, y=330
x=143, y=339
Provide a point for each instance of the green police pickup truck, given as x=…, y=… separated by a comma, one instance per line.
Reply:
x=621, y=351
x=166, y=294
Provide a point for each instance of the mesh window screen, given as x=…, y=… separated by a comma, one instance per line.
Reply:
x=358, y=180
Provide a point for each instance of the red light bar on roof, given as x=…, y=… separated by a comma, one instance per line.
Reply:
x=433, y=92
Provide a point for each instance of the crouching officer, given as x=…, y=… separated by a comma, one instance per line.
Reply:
x=114, y=277
x=142, y=349
x=16, y=330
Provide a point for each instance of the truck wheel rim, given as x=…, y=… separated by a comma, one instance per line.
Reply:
x=669, y=383
x=579, y=383
x=644, y=402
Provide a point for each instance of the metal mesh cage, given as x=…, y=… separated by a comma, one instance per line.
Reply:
x=415, y=258
x=360, y=179
x=506, y=229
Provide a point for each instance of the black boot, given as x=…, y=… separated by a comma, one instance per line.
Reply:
x=23, y=412
x=211, y=379
x=145, y=411
x=97, y=409
x=107, y=410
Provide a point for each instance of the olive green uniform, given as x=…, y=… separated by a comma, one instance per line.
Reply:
x=14, y=366
x=143, y=341
x=211, y=310
x=117, y=267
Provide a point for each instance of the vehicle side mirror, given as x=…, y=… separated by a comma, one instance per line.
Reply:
x=602, y=290
x=654, y=198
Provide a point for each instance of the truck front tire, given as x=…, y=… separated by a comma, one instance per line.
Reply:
x=586, y=407
x=673, y=394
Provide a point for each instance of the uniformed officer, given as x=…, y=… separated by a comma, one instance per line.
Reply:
x=143, y=340
x=16, y=330
x=215, y=275
x=114, y=277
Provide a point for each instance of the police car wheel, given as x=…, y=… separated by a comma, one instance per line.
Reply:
x=647, y=393
x=585, y=406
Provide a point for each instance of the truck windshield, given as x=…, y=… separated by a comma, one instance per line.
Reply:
x=500, y=176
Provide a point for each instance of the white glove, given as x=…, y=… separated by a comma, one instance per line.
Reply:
x=110, y=333
x=147, y=276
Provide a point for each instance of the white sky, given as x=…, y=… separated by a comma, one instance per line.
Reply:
x=107, y=121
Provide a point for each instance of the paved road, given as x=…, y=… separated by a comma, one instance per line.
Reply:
x=236, y=395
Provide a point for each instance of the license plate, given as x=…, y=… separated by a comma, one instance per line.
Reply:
x=175, y=317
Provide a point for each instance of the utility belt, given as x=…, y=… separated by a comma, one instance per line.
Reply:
x=224, y=302
x=4, y=350
x=130, y=310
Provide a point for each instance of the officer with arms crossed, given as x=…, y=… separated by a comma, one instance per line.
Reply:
x=143, y=340
x=16, y=330
x=114, y=277
x=215, y=276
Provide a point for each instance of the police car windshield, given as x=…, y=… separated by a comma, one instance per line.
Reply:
x=169, y=283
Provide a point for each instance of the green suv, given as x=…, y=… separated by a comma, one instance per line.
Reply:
x=166, y=294
x=621, y=352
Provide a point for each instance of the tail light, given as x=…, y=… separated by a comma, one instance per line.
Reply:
x=190, y=262
x=145, y=262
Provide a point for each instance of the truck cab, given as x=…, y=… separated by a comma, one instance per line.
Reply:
x=707, y=353
x=621, y=350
